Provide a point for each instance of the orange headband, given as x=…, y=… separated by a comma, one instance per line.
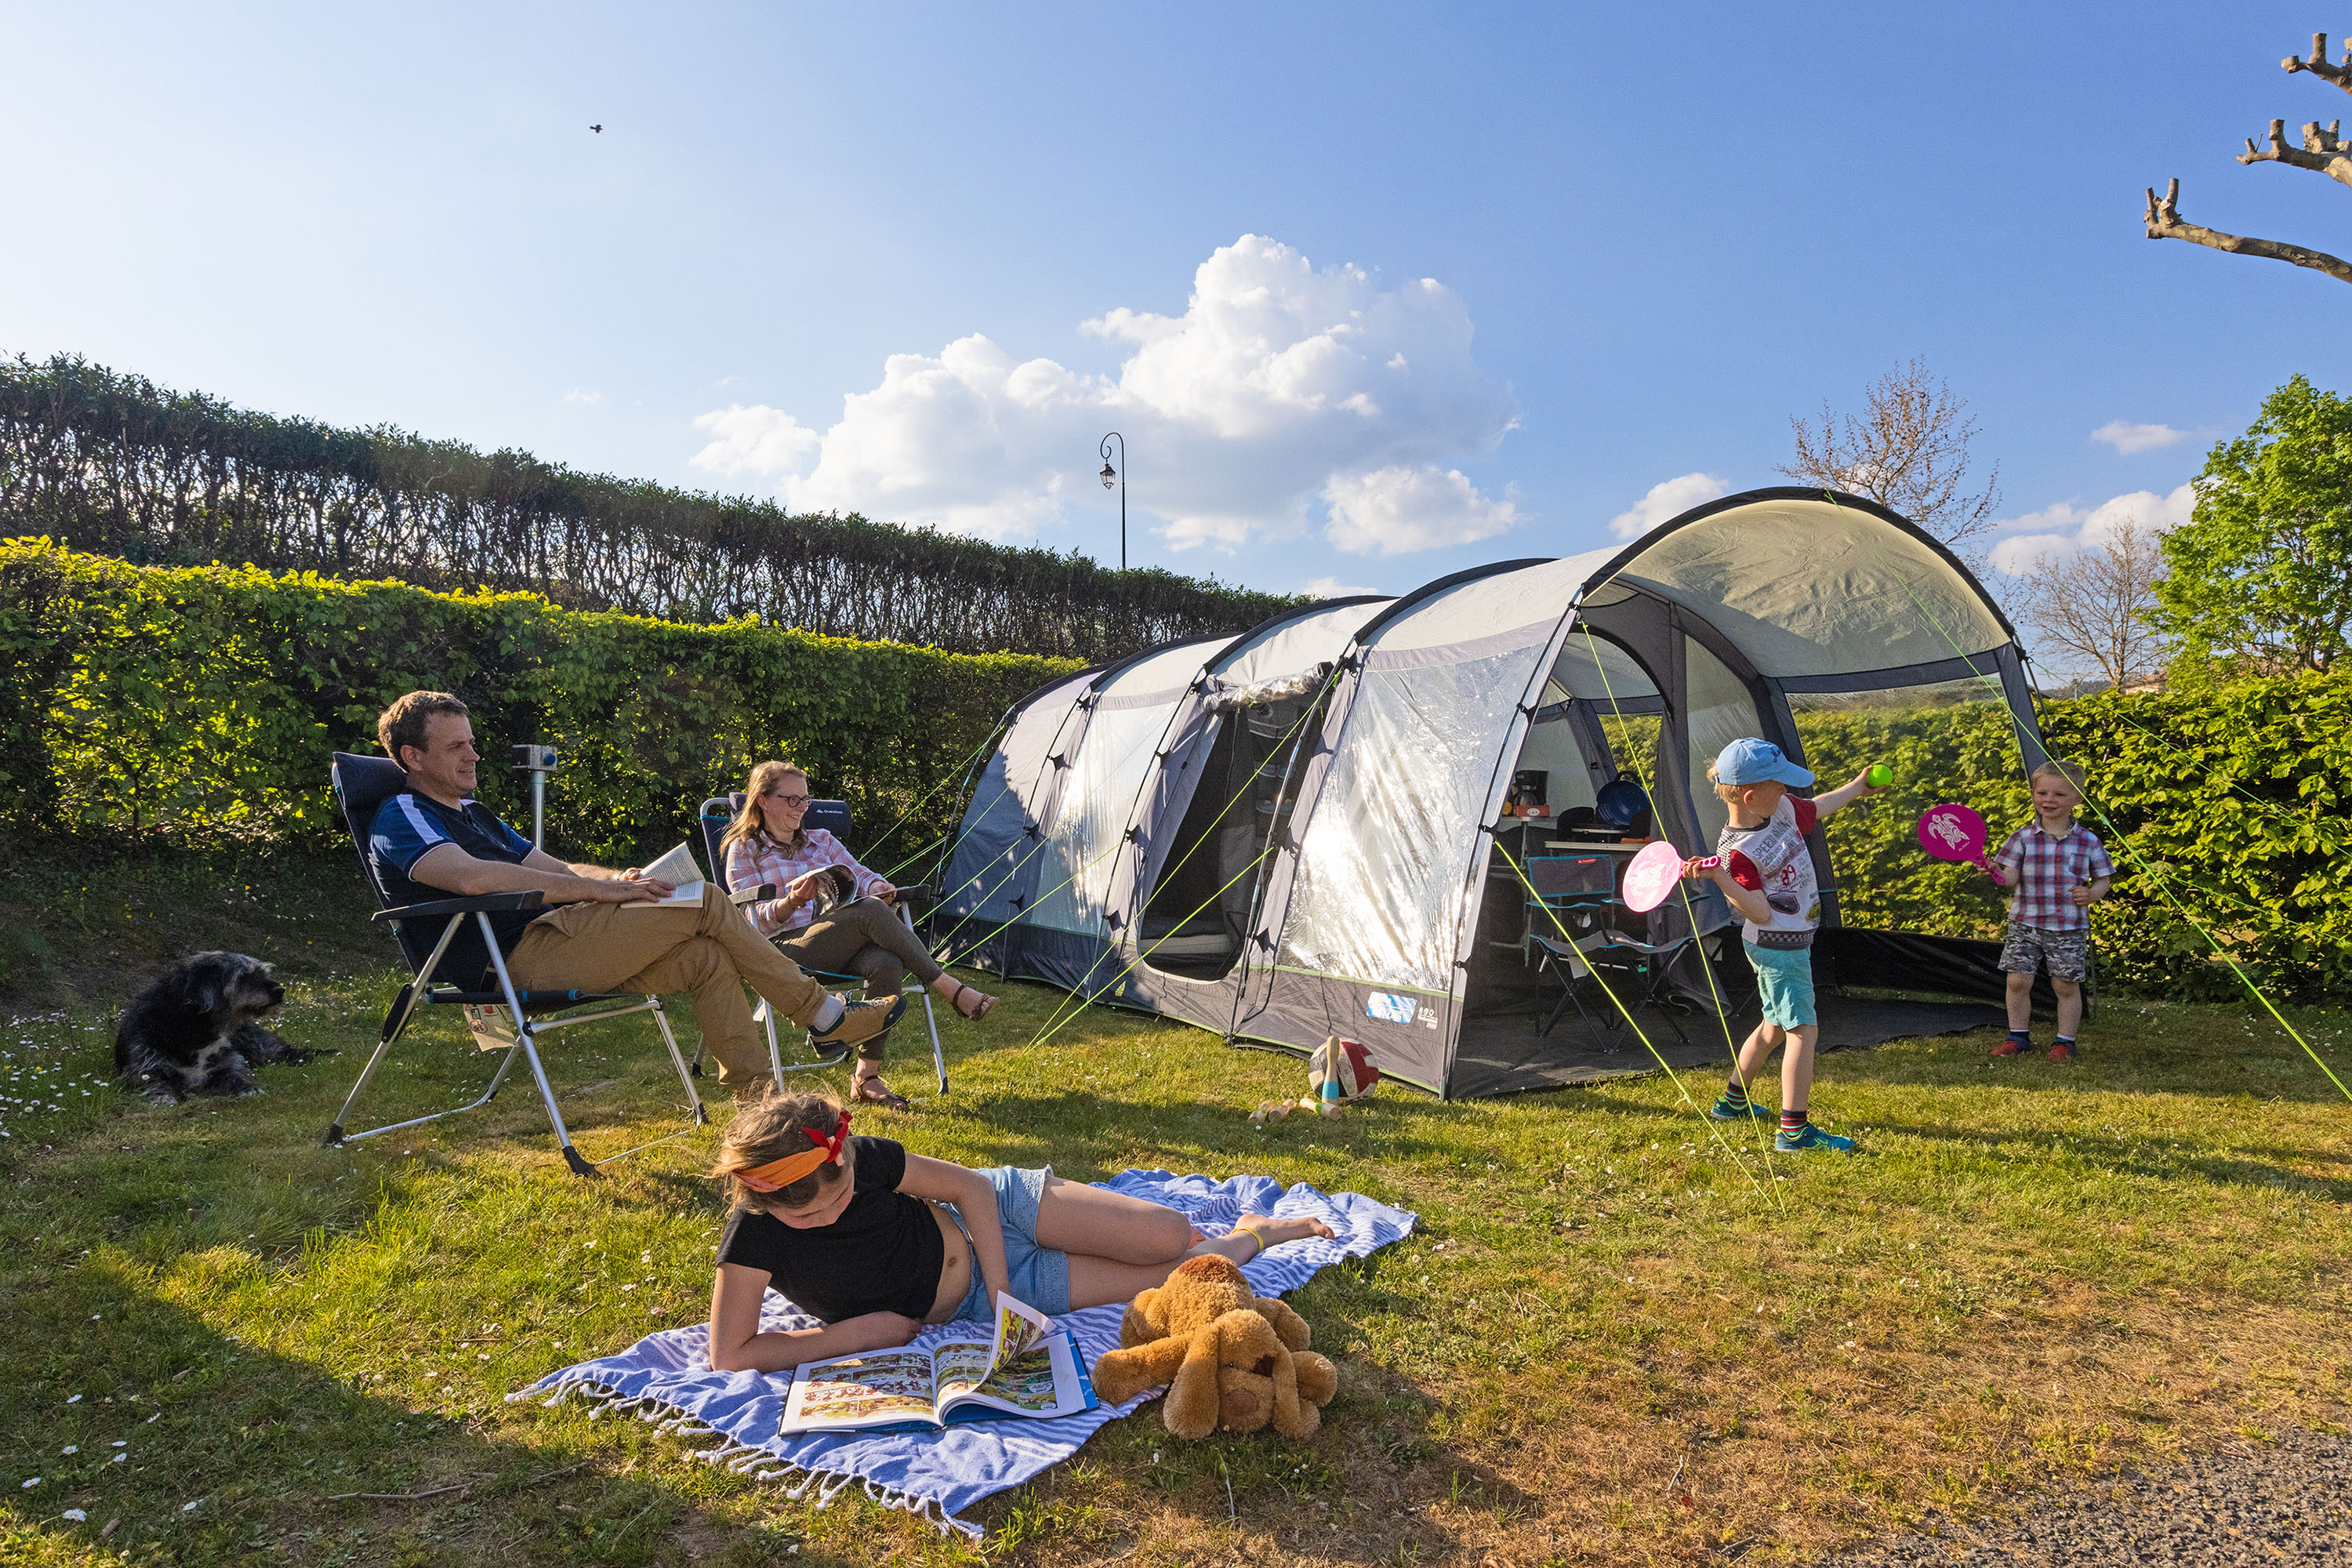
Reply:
x=784, y=1172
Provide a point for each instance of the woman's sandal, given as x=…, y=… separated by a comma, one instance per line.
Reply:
x=956, y=1002
x=873, y=1091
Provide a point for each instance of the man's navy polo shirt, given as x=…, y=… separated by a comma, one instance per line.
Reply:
x=408, y=825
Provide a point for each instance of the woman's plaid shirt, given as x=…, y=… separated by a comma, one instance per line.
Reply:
x=751, y=862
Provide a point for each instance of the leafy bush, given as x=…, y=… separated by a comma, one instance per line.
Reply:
x=2226, y=809
x=200, y=704
x=119, y=466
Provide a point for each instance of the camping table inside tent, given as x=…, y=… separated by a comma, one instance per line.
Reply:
x=1618, y=849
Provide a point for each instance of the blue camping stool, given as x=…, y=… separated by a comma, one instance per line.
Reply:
x=499, y=1016
x=834, y=817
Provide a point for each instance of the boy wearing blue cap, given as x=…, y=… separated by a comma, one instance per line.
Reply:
x=1768, y=824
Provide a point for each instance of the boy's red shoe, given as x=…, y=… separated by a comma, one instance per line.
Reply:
x=2008, y=1048
x=2061, y=1052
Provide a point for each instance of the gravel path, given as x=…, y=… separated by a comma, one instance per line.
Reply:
x=2288, y=1502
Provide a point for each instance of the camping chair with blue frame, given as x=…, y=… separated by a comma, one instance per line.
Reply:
x=834, y=817
x=499, y=1017
x=1579, y=894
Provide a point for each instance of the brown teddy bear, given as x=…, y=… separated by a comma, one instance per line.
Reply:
x=1231, y=1358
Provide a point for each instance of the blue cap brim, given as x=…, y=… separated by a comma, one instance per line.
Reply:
x=1782, y=772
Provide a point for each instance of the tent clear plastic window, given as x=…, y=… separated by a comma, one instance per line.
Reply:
x=1383, y=880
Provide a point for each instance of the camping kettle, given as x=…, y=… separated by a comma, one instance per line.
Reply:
x=1622, y=802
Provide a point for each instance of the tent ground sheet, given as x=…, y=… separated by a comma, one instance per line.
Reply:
x=1501, y=1054
x=666, y=1378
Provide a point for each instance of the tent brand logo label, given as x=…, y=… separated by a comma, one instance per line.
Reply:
x=1390, y=1009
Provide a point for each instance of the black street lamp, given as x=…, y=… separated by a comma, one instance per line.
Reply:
x=1110, y=476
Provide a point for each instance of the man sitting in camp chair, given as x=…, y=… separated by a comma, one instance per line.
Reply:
x=434, y=838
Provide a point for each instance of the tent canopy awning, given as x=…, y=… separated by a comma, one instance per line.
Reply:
x=1805, y=587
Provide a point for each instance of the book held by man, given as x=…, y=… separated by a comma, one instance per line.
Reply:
x=1026, y=1369
x=677, y=868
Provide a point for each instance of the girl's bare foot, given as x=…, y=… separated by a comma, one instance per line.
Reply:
x=1277, y=1231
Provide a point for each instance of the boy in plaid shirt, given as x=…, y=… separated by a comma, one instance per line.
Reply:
x=2059, y=869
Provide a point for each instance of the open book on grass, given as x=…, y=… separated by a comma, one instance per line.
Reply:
x=1027, y=1368
x=678, y=869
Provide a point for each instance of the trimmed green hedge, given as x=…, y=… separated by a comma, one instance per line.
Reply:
x=200, y=704
x=193, y=705
x=2236, y=799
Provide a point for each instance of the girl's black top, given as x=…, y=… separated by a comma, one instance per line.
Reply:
x=883, y=1254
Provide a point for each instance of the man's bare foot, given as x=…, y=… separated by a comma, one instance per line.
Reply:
x=1277, y=1231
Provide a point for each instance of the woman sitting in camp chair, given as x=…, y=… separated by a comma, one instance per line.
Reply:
x=861, y=934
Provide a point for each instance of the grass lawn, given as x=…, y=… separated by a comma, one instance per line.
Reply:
x=1613, y=1338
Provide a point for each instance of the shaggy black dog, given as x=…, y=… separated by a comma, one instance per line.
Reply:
x=196, y=1030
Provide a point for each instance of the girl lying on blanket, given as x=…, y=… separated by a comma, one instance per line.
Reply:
x=877, y=1241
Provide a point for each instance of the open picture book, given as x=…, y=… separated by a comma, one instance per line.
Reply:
x=1026, y=1369
x=677, y=868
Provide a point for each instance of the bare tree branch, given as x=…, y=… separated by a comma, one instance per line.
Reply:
x=2323, y=151
x=2089, y=609
x=1908, y=452
x=2341, y=74
x=2164, y=222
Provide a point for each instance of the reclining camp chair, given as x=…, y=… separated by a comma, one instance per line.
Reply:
x=833, y=815
x=499, y=1016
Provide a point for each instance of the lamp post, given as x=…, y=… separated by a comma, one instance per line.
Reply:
x=1112, y=476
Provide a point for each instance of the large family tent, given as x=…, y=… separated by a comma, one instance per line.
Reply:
x=1302, y=831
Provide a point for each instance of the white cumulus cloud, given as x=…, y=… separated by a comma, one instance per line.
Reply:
x=582, y=394
x=1332, y=588
x=2061, y=528
x=2127, y=438
x=756, y=440
x=1666, y=499
x=1285, y=396
x=1396, y=510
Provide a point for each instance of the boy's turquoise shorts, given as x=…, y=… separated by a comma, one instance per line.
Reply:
x=1784, y=977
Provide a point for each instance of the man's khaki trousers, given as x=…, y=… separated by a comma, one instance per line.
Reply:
x=711, y=952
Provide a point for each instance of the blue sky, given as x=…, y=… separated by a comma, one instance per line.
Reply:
x=1376, y=291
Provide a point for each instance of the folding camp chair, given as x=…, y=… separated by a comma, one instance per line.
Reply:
x=833, y=815
x=1579, y=891
x=501, y=1017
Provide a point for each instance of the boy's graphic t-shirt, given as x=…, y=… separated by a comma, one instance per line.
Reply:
x=1777, y=847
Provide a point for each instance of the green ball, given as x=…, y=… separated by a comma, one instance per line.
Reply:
x=1881, y=775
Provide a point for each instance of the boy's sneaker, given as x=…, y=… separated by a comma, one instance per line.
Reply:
x=2009, y=1048
x=859, y=1022
x=1726, y=1109
x=1811, y=1137
x=2061, y=1052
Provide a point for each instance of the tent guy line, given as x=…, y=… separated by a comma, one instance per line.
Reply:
x=1079, y=1000
x=1706, y=965
x=1715, y=1129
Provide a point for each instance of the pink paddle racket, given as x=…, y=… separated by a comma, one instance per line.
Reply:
x=1953, y=832
x=1651, y=876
